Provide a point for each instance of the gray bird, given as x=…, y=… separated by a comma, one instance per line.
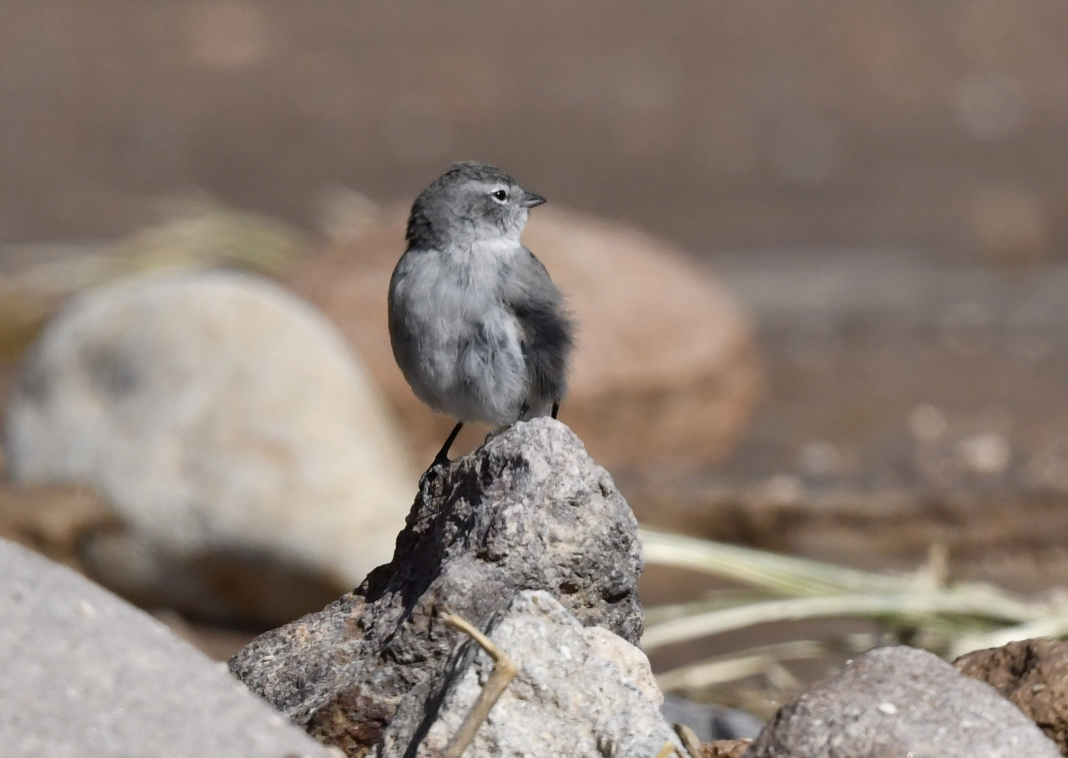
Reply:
x=478, y=328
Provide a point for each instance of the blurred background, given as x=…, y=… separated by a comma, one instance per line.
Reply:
x=817, y=252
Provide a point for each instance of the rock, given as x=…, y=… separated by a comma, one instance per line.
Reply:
x=665, y=372
x=710, y=722
x=528, y=510
x=627, y=658
x=86, y=674
x=1030, y=674
x=565, y=699
x=250, y=461
x=899, y=701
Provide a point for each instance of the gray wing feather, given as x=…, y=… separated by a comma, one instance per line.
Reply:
x=546, y=327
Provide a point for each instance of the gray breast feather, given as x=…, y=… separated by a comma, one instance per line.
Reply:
x=482, y=338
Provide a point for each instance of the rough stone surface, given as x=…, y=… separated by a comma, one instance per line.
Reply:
x=86, y=674
x=249, y=459
x=528, y=510
x=629, y=659
x=566, y=699
x=662, y=345
x=1030, y=674
x=899, y=701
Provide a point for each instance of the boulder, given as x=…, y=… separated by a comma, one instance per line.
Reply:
x=1030, y=674
x=565, y=699
x=528, y=510
x=898, y=701
x=86, y=674
x=665, y=371
x=250, y=461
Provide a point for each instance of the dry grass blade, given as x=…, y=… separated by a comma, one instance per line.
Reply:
x=957, y=618
x=915, y=605
x=783, y=574
x=504, y=670
x=733, y=667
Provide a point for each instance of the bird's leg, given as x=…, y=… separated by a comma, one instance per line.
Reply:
x=442, y=458
x=504, y=672
x=556, y=408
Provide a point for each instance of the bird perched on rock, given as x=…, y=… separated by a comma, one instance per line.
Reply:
x=478, y=328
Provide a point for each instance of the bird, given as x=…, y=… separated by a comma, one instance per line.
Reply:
x=477, y=326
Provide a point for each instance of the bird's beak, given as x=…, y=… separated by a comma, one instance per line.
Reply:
x=530, y=200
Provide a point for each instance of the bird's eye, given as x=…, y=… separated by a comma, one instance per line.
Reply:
x=500, y=195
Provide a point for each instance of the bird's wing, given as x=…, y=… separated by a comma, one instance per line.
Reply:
x=546, y=330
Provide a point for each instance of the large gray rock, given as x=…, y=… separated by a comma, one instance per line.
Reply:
x=528, y=510
x=900, y=701
x=231, y=430
x=86, y=674
x=566, y=698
